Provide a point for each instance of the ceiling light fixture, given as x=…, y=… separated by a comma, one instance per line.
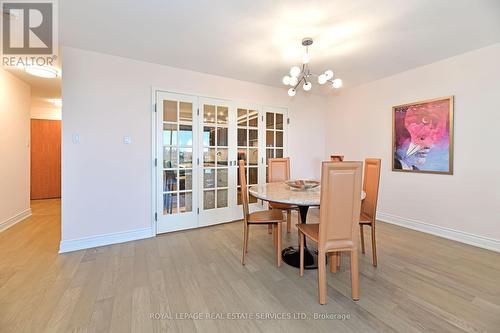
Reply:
x=42, y=71
x=304, y=74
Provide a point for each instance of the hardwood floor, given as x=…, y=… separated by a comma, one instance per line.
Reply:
x=422, y=283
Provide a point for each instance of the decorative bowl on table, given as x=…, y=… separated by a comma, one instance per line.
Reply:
x=302, y=185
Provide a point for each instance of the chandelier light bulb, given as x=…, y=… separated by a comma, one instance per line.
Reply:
x=337, y=83
x=322, y=79
x=294, y=81
x=286, y=80
x=291, y=92
x=295, y=71
x=307, y=86
x=305, y=58
x=329, y=74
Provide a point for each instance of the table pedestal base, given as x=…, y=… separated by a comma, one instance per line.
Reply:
x=291, y=256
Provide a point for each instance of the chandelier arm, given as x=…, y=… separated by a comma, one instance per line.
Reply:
x=298, y=83
x=304, y=67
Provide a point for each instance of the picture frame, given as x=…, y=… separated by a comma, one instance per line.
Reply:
x=423, y=136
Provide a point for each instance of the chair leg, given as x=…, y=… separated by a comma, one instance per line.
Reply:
x=245, y=242
x=322, y=277
x=278, y=243
x=246, y=239
x=301, y=250
x=374, y=245
x=354, y=275
x=362, y=238
x=275, y=235
x=288, y=221
x=333, y=262
x=269, y=229
x=339, y=259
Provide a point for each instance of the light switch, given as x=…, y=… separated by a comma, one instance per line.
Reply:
x=76, y=138
x=127, y=140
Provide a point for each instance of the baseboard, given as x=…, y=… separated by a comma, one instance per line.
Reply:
x=456, y=235
x=4, y=225
x=106, y=239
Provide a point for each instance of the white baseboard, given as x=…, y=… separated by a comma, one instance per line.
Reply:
x=106, y=239
x=456, y=235
x=4, y=225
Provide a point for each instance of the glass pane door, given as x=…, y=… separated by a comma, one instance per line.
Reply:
x=248, y=143
x=276, y=134
x=217, y=151
x=176, y=171
x=197, y=145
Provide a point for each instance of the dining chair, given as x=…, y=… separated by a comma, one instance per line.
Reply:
x=273, y=217
x=336, y=259
x=338, y=221
x=279, y=171
x=369, y=205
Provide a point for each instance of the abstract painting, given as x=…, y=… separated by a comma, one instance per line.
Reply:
x=422, y=136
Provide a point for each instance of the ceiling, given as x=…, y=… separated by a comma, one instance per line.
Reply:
x=258, y=40
x=40, y=87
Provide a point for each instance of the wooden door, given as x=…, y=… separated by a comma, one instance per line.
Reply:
x=45, y=159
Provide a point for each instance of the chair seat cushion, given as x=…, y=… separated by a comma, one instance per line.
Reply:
x=282, y=206
x=266, y=216
x=365, y=219
x=311, y=230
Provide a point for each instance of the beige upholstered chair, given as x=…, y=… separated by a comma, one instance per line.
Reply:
x=338, y=222
x=279, y=171
x=272, y=217
x=369, y=205
x=337, y=158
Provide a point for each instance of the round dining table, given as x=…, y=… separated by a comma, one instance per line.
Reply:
x=303, y=199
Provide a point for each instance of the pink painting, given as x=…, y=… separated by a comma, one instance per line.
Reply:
x=423, y=136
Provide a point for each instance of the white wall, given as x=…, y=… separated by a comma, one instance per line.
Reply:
x=41, y=109
x=41, y=105
x=359, y=122
x=14, y=149
x=107, y=185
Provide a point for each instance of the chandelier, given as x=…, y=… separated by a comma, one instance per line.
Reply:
x=304, y=75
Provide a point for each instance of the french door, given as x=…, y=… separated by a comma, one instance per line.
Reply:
x=217, y=163
x=176, y=170
x=199, y=142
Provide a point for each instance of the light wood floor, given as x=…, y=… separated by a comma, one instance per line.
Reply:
x=423, y=283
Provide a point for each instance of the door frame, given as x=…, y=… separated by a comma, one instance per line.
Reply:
x=154, y=140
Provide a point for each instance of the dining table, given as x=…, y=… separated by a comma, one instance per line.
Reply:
x=303, y=199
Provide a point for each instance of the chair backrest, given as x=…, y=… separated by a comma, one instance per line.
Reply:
x=340, y=204
x=337, y=158
x=279, y=169
x=244, y=189
x=370, y=186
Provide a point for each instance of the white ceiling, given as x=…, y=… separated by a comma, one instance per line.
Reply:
x=40, y=87
x=258, y=40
